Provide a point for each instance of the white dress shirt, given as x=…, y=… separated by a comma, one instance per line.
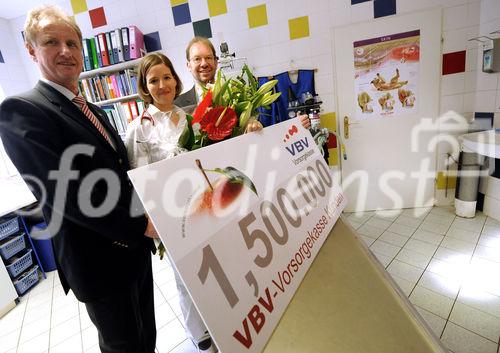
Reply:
x=149, y=142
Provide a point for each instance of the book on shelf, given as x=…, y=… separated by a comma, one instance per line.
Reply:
x=113, y=47
x=103, y=87
x=120, y=114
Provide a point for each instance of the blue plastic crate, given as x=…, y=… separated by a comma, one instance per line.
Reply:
x=9, y=227
x=27, y=280
x=20, y=263
x=12, y=245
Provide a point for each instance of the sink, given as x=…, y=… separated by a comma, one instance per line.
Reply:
x=486, y=143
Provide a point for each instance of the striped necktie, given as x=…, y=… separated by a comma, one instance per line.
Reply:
x=80, y=101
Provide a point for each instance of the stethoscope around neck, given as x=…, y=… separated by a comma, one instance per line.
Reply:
x=146, y=116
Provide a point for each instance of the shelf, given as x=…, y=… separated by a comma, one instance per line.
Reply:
x=111, y=68
x=306, y=106
x=115, y=100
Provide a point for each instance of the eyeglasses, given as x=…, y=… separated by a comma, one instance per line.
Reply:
x=198, y=59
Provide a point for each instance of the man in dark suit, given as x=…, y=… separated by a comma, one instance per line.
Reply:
x=102, y=243
x=202, y=63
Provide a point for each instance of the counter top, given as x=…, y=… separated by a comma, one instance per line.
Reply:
x=15, y=195
x=486, y=143
x=348, y=303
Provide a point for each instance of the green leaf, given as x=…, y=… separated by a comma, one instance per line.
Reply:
x=218, y=98
x=186, y=139
x=251, y=79
x=245, y=116
x=270, y=99
x=235, y=176
x=266, y=87
x=217, y=85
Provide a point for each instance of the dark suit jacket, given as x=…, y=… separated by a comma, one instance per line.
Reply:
x=96, y=256
x=187, y=101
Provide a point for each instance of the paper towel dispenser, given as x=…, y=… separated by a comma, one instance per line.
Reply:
x=491, y=56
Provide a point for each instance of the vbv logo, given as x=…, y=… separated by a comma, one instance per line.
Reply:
x=297, y=146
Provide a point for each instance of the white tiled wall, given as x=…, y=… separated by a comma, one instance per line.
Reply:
x=13, y=78
x=269, y=50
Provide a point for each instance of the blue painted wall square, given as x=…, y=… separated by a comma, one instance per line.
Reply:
x=383, y=8
x=152, y=41
x=182, y=14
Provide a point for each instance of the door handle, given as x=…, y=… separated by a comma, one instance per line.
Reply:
x=346, y=126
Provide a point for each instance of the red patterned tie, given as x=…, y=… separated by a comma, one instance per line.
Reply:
x=80, y=101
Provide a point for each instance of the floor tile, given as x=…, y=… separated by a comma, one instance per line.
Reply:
x=452, y=256
x=421, y=247
x=414, y=258
x=385, y=248
x=461, y=340
x=401, y=229
x=431, y=301
x=428, y=237
x=471, y=270
x=448, y=287
x=72, y=344
x=448, y=270
x=175, y=305
x=491, y=230
x=355, y=224
x=408, y=221
x=185, y=346
x=405, y=271
x=379, y=223
x=461, y=246
x=481, y=300
x=419, y=213
x=487, y=253
x=445, y=220
x=435, y=322
x=463, y=234
x=170, y=336
x=490, y=241
x=388, y=215
x=89, y=338
x=64, y=331
x=361, y=217
x=434, y=227
x=475, y=225
x=9, y=340
x=476, y=321
x=34, y=329
x=492, y=222
x=483, y=275
x=405, y=285
x=367, y=240
x=37, y=344
x=384, y=259
x=163, y=315
x=393, y=238
x=370, y=231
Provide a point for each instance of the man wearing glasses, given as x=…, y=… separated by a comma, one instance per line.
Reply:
x=202, y=63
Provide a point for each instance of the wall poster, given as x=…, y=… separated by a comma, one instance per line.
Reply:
x=386, y=75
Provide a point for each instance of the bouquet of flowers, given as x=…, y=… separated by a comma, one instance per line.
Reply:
x=228, y=109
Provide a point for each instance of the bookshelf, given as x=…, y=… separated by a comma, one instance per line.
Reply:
x=110, y=69
x=114, y=89
x=117, y=100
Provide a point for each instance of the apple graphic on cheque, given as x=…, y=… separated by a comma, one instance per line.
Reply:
x=224, y=191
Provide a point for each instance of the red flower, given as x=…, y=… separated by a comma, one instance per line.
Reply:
x=218, y=122
x=202, y=107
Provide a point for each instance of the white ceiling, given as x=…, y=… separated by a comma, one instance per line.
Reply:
x=10, y=9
